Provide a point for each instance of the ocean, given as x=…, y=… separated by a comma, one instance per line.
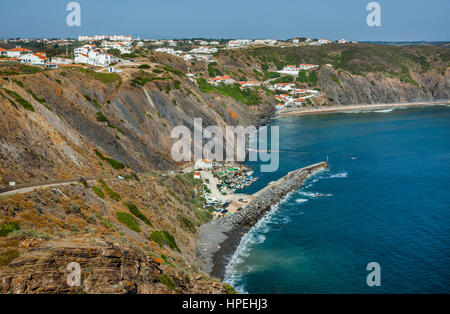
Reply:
x=385, y=198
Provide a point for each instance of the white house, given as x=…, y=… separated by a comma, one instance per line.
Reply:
x=17, y=52
x=203, y=164
x=305, y=66
x=283, y=86
x=122, y=47
x=90, y=54
x=34, y=58
x=249, y=83
x=203, y=50
x=299, y=91
x=221, y=79
x=50, y=65
x=204, y=58
x=324, y=41
x=170, y=51
x=58, y=60
x=234, y=44
x=188, y=57
x=283, y=98
x=82, y=58
x=290, y=69
x=84, y=49
x=3, y=51
x=104, y=37
x=299, y=101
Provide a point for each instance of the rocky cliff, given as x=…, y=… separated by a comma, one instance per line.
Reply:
x=85, y=128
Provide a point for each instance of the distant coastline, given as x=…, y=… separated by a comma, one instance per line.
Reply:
x=330, y=109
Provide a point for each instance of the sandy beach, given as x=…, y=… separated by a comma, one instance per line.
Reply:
x=286, y=112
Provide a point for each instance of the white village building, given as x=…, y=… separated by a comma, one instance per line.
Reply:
x=34, y=58
x=17, y=52
x=305, y=66
x=290, y=69
x=221, y=79
x=122, y=47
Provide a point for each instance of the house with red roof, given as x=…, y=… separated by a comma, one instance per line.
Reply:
x=221, y=79
x=283, y=86
x=307, y=66
x=34, y=58
x=17, y=52
x=3, y=51
x=248, y=83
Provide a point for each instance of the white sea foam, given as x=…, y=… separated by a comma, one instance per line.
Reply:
x=301, y=200
x=385, y=110
x=342, y=174
x=308, y=194
x=234, y=269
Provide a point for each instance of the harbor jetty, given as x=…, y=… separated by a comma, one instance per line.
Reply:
x=219, y=238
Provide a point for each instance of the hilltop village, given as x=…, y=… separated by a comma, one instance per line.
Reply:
x=104, y=53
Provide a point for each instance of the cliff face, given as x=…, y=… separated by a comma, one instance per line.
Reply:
x=346, y=88
x=127, y=236
x=106, y=269
x=77, y=113
x=138, y=234
x=357, y=73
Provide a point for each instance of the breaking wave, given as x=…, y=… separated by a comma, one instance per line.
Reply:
x=236, y=268
x=385, y=110
x=343, y=174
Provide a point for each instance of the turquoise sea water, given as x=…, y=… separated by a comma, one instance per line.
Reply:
x=385, y=198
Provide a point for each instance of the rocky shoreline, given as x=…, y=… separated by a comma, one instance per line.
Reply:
x=219, y=239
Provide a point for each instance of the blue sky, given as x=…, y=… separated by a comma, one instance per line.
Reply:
x=402, y=20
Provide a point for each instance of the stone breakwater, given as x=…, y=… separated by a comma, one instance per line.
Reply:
x=219, y=238
x=270, y=195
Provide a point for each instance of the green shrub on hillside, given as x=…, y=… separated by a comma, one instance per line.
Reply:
x=19, y=99
x=173, y=70
x=101, y=117
x=41, y=100
x=336, y=79
x=164, y=238
x=102, y=77
x=8, y=256
x=98, y=192
x=129, y=221
x=283, y=79
x=135, y=211
x=246, y=96
x=9, y=227
x=213, y=71
x=140, y=81
x=114, y=163
x=115, y=196
x=229, y=289
x=187, y=224
x=167, y=281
